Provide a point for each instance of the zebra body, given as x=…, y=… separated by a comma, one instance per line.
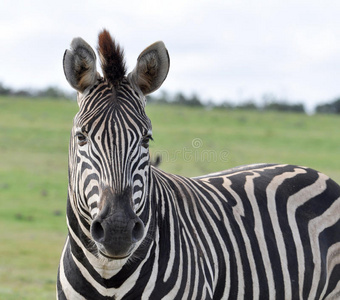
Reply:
x=135, y=232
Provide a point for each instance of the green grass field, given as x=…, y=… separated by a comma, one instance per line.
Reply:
x=34, y=137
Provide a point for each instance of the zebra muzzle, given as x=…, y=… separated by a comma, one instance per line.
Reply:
x=117, y=229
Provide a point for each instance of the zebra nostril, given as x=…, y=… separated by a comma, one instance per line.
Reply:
x=97, y=231
x=137, y=231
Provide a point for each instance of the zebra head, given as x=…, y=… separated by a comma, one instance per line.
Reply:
x=109, y=158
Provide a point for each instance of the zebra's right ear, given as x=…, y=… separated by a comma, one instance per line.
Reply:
x=80, y=65
x=152, y=68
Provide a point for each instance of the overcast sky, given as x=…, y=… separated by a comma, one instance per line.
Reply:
x=220, y=50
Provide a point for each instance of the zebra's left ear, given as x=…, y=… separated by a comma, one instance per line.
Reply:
x=152, y=68
x=80, y=65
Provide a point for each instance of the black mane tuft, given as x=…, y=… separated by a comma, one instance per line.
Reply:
x=111, y=58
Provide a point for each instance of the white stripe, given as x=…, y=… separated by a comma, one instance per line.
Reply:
x=333, y=259
x=293, y=203
x=273, y=213
x=315, y=227
x=259, y=232
x=335, y=294
x=68, y=290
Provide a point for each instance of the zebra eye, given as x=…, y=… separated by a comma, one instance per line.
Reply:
x=145, y=141
x=82, y=139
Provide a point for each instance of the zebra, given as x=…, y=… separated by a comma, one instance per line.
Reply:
x=261, y=231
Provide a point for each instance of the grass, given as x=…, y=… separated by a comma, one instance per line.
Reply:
x=194, y=141
x=34, y=137
x=33, y=186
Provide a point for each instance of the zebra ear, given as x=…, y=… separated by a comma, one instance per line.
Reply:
x=80, y=65
x=152, y=68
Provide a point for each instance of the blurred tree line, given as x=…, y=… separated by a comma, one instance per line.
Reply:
x=269, y=102
x=329, y=108
x=48, y=92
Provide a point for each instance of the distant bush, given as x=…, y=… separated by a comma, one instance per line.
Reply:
x=270, y=103
x=178, y=99
x=329, y=108
x=248, y=105
x=4, y=90
x=224, y=105
x=284, y=107
x=49, y=92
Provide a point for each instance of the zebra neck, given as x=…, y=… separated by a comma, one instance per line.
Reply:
x=165, y=198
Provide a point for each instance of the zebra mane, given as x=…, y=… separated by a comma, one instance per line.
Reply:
x=111, y=58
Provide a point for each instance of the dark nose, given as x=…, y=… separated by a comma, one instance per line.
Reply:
x=117, y=228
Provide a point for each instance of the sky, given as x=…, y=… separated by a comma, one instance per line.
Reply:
x=220, y=50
